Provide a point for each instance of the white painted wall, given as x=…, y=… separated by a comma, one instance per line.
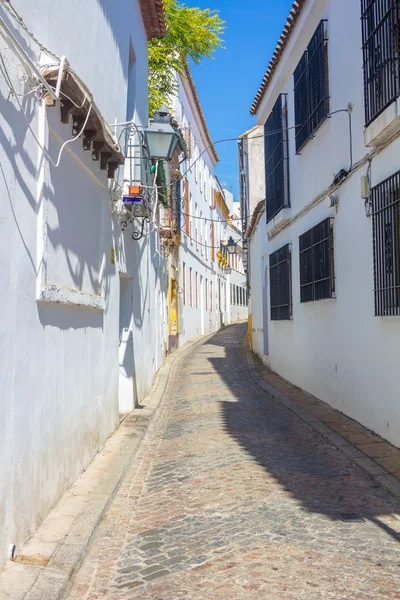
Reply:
x=237, y=305
x=237, y=311
x=59, y=368
x=205, y=317
x=335, y=349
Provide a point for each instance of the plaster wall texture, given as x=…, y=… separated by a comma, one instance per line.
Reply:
x=59, y=362
x=335, y=349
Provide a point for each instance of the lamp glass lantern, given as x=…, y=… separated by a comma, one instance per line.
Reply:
x=228, y=270
x=231, y=246
x=160, y=136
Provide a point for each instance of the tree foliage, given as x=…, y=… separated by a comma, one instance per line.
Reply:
x=192, y=33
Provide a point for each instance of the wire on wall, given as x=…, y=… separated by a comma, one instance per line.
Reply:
x=56, y=163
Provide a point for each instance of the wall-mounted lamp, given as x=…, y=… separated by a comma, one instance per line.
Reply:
x=160, y=136
x=231, y=246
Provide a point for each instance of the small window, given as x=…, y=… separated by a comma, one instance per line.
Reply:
x=311, y=87
x=276, y=152
x=317, y=280
x=386, y=240
x=280, y=284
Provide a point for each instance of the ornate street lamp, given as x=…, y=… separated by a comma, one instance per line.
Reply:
x=231, y=245
x=160, y=136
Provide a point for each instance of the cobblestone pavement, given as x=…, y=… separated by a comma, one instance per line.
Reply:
x=233, y=496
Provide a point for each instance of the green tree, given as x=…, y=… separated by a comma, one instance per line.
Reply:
x=192, y=33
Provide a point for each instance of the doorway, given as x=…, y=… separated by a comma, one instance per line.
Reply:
x=265, y=306
x=126, y=357
x=173, y=322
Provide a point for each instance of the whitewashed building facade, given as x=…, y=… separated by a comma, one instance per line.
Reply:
x=77, y=295
x=321, y=199
x=194, y=229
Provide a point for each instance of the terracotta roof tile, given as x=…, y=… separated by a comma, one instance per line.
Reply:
x=153, y=17
x=287, y=30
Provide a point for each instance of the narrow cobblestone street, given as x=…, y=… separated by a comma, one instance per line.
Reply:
x=233, y=496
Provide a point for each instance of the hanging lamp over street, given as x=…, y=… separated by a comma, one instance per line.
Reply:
x=160, y=136
x=231, y=246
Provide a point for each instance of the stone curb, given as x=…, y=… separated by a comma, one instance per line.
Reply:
x=377, y=473
x=45, y=573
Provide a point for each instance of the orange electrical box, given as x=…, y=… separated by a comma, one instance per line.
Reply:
x=134, y=190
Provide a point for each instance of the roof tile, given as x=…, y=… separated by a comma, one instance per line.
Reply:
x=153, y=17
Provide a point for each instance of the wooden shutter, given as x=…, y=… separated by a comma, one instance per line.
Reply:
x=212, y=242
x=187, y=225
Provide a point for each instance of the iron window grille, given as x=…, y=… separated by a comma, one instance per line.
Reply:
x=311, y=87
x=386, y=240
x=317, y=273
x=276, y=159
x=280, y=284
x=380, y=23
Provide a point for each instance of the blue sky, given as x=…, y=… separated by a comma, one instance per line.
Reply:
x=228, y=84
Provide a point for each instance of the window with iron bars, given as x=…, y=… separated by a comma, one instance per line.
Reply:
x=317, y=273
x=280, y=284
x=311, y=87
x=276, y=159
x=380, y=21
x=386, y=240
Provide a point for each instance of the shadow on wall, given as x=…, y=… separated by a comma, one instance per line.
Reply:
x=77, y=231
x=17, y=166
x=286, y=448
x=142, y=263
x=67, y=317
x=117, y=26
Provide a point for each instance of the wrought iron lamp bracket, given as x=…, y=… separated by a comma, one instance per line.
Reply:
x=138, y=228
